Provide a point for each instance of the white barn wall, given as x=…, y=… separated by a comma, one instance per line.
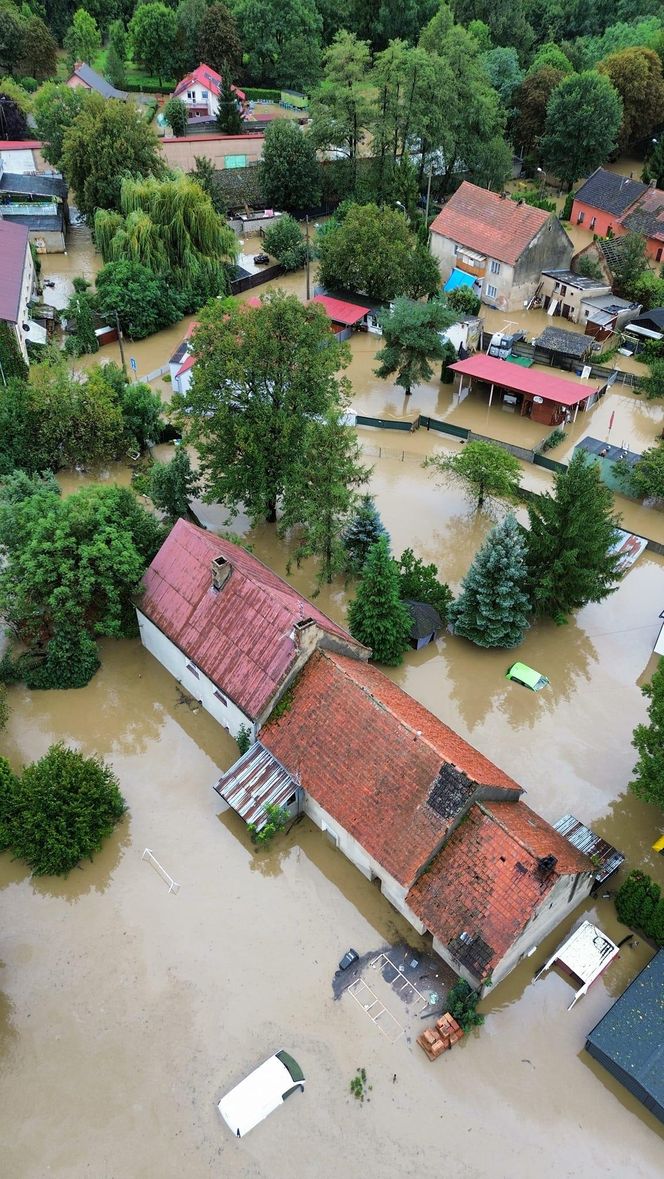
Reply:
x=200, y=687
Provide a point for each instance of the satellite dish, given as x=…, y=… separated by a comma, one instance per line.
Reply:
x=538, y=400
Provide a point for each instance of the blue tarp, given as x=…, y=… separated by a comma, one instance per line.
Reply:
x=459, y=278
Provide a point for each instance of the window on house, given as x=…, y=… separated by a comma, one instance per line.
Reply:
x=491, y=291
x=563, y=289
x=495, y=267
x=581, y=218
x=220, y=697
x=592, y=222
x=192, y=669
x=658, y=256
x=191, y=94
x=235, y=161
x=291, y=800
x=204, y=94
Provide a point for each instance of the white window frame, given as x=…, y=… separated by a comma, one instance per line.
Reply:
x=495, y=266
x=491, y=291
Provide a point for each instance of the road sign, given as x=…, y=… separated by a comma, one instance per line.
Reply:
x=133, y=364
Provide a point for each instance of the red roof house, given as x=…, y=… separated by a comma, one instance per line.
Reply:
x=344, y=316
x=231, y=630
x=542, y=396
x=504, y=244
x=200, y=91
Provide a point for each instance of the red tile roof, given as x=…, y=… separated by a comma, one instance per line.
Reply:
x=19, y=144
x=340, y=312
x=13, y=247
x=523, y=380
x=241, y=636
x=486, y=883
x=372, y=757
x=189, y=363
x=207, y=79
x=491, y=224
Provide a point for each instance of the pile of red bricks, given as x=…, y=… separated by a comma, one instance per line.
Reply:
x=438, y=1039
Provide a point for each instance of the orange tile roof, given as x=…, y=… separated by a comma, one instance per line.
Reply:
x=491, y=224
x=391, y=773
x=486, y=884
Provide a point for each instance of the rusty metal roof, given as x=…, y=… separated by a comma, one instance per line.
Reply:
x=606, y=858
x=255, y=781
x=242, y=636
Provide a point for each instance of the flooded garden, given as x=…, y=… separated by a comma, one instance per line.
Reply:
x=126, y=1011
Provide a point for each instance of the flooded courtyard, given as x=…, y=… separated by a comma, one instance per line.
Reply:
x=126, y=1011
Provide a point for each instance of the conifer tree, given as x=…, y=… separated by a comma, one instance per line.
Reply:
x=229, y=119
x=571, y=533
x=648, y=740
x=172, y=485
x=377, y=617
x=492, y=610
x=364, y=529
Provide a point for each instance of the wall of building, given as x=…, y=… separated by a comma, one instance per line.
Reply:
x=572, y=298
x=193, y=682
x=26, y=294
x=180, y=152
x=23, y=160
x=48, y=241
x=565, y=896
x=594, y=220
x=353, y=851
x=550, y=249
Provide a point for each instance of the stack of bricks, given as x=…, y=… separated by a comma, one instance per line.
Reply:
x=436, y=1040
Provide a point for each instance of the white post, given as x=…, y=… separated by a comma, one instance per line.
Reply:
x=491, y=395
x=576, y=411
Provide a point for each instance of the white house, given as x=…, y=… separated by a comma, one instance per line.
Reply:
x=181, y=363
x=503, y=244
x=200, y=91
x=17, y=285
x=231, y=632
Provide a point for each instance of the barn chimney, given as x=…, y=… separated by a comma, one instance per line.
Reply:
x=221, y=571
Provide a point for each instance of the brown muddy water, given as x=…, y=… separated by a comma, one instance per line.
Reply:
x=126, y=1012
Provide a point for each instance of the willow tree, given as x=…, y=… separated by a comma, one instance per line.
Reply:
x=170, y=227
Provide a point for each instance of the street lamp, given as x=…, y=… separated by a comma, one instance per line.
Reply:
x=400, y=206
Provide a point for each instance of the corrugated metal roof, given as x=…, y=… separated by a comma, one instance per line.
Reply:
x=341, y=312
x=606, y=858
x=511, y=376
x=242, y=636
x=255, y=781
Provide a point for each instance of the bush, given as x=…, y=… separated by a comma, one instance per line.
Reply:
x=533, y=197
x=29, y=84
x=257, y=95
x=567, y=207
x=135, y=87
x=284, y=242
x=278, y=817
x=462, y=1003
x=639, y=904
x=554, y=439
x=60, y=810
x=465, y=300
x=243, y=739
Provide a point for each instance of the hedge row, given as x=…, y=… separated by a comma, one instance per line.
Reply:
x=262, y=95
x=149, y=87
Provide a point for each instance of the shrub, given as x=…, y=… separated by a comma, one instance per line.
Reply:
x=567, y=207
x=257, y=95
x=243, y=738
x=278, y=817
x=60, y=810
x=465, y=300
x=554, y=439
x=462, y=1003
x=284, y=242
x=639, y=904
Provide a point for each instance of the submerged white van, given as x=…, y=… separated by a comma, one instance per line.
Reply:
x=261, y=1092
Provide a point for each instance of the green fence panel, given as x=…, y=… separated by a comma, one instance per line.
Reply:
x=384, y=423
x=540, y=460
x=444, y=427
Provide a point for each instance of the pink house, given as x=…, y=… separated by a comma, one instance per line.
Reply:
x=610, y=205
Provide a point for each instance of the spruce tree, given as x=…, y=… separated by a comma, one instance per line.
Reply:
x=229, y=119
x=377, y=617
x=648, y=740
x=571, y=533
x=364, y=529
x=493, y=608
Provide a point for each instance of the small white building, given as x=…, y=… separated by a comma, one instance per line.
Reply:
x=17, y=285
x=200, y=91
x=231, y=632
x=181, y=363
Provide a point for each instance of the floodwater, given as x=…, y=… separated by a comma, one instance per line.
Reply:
x=126, y=1012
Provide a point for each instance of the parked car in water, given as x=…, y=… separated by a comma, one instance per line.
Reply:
x=266, y=1088
x=522, y=674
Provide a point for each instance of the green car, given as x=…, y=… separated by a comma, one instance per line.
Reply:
x=522, y=674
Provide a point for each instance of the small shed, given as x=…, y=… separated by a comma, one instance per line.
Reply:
x=535, y=394
x=425, y=623
x=629, y=1040
x=562, y=348
x=346, y=317
x=256, y=781
x=606, y=859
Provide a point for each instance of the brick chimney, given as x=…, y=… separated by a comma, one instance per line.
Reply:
x=221, y=571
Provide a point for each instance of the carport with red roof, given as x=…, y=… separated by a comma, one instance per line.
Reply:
x=543, y=397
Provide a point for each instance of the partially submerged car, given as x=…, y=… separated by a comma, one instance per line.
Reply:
x=266, y=1088
x=522, y=674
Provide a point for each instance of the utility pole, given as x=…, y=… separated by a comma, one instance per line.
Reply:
x=426, y=212
x=119, y=331
x=306, y=237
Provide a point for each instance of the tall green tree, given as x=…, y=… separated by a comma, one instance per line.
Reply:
x=373, y=251
x=363, y=529
x=341, y=110
x=550, y=55
x=118, y=39
x=569, y=541
x=152, y=31
x=173, y=485
x=229, y=119
x=40, y=50
x=176, y=115
x=486, y=470
x=493, y=607
x=143, y=301
x=219, y=41
x=412, y=333
x=637, y=76
x=502, y=68
x=290, y=174
x=282, y=41
x=322, y=493
x=83, y=40
x=60, y=810
x=653, y=169
x=419, y=582
x=377, y=617
x=56, y=107
x=79, y=314
x=170, y=227
x=205, y=175
x=531, y=102
x=261, y=375
x=72, y=567
x=630, y=263
x=284, y=242
x=437, y=28
x=648, y=740
x=115, y=68
x=583, y=118
x=108, y=140
x=188, y=18
x=506, y=20
x=646, y=477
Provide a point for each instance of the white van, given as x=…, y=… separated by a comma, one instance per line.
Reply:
x=261, y=1092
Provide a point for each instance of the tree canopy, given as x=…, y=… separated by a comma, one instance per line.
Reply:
x=56, y=107
x=219, y=41
x=373, y=251
x=282, y=40
x=377, y=617
x=648, y=740
x=637, y=76
x=493, y=607
x=412, y=334
x=486, y=470
x=284, y=241
x=108, y=141
x=289, y=173
x=583, y=118
x=152, y=31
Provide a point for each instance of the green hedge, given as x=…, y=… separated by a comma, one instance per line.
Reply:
x=259, y=95
x=149, y=87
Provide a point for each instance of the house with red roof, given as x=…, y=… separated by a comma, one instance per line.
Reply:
x=420, y=812
x=498, y=245
x=345, y=317
x=200, y=91
x=230, y=631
